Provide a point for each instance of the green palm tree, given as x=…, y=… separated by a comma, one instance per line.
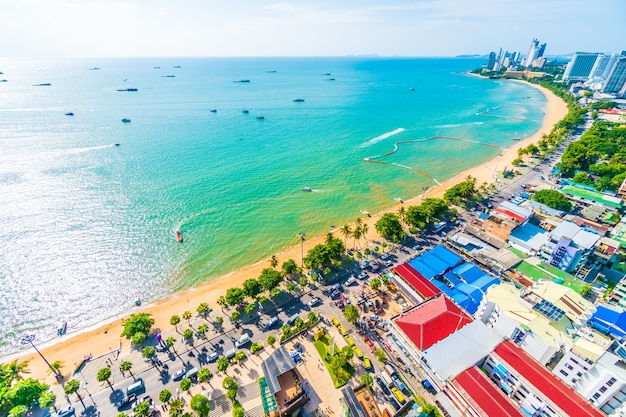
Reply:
x=55, y=367
x=203, y=309
x=364, y=230
x=356, y=234
x=402, y=214
x=169, y=342
x=14, y=370
x=273, y=261
x=346, y=232
x=174, y=321
x=203, y=329
x=329, y=238
x=103, y=375
x=187, y=316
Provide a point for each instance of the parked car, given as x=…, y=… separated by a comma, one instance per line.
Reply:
x=384, y=256
x=374, y=317
x=382, y=386
x=314, y=301
x=65, y=412
x=335, y=293
x=388, y=263
x=178, y=375
x=362, y=276
x=126, y=402
x=212, y=357
x=351, y=281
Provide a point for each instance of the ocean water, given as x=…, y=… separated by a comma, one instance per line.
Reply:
x=87, y=226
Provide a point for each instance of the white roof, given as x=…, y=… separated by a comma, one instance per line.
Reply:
x=461, y=349
x=516, y=209
x=581, y=237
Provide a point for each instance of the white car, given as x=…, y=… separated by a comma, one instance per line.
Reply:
x=374, y=317
x=362, y=275
x=179, y=374
x=351, y=281
x=314, y=301
x=404, y=306
x=388, y=263
x=66, y=412
x=384, y=256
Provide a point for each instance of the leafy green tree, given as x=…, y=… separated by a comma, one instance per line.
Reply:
x=240, y=356
x=47, y=399
x=275, y=293
x=103, y=375
x=273, y=261
x=165, y=395
x=311, y=318
x=176, y=408
x=303, y=281
x=464, y=193
x=375, y=283
x=553, y=199
x=122, y=414
x=238, y=410
x=351, y=313
x=222, y=364
x=231, y=394
x=148, y=352
x=256, y=347
x=235, y=316
x=142, y=409
x=230, y=383
x=200, y=404
x=138, y=339
x=18, y=411
x=289, y=267
x=185, y=384
x=204, y=374
x=347, y=352
x=249, y=308
x=380, y=355
x=263, y=299
x=71, y=386
x=137, y=323
x=251, y=287
x=221, y=301
x=235, y=296
x=13, y=372
x=21, y=392
x=271, y=339
x=366, y=379
x=126, y=366
x=270, y=279
x=203, y=309
x=290, y=287
x=219, y=320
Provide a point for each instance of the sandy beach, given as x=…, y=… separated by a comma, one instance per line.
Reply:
x=105, y=337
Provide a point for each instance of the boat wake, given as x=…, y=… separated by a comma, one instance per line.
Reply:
x=453, y=125
x=382, y=137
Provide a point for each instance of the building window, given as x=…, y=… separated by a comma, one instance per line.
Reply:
x=610, y=382
x=574, y=360
x=596, y=395
x=563, y=372
x=602, y=389
x=568, y=366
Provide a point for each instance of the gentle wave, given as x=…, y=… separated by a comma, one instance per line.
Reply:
x=382, y=137
x=453, y=125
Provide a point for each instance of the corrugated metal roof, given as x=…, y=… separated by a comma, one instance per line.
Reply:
x=277, y=364
x=424, y=287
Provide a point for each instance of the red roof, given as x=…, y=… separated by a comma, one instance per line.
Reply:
x=423, y=286
x=486, y=399
x=552, y=388
x=511, y=214
x=432, y=321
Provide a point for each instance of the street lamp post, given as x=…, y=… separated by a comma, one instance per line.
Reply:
x=301, y=236
x=29, y=339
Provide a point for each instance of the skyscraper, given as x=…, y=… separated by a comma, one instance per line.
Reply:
x=492, y=61
x=580, y=66
x=616, y=80
x=535, y=52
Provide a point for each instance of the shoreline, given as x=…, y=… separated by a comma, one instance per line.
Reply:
x=105, y=336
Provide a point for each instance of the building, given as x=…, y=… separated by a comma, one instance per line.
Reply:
x=532, y=386
x=492, y=61
x=473, y=395
x=578, y=361
x=535, y=54
x=616, y=79
x=609, y=320
x=580, y=66
x=361, y=401
x=282, y=383
x=568, y=246
x=618, y=296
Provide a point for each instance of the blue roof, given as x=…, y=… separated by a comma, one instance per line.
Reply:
x=609, y=321
x=469, y=272
x=470, y=291
x=446, y=255
x=423, y=268
x=452, y=278
x=485, y=282
x=466, y=302
x=436, y=261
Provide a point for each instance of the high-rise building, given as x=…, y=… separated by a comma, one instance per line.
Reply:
x=600, y=66
x=616, y=80
x=492, y=61
x=580, y=66
x=532, y=53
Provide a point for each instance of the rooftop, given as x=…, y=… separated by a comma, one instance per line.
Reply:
x=432, y=321
x=552, y=388
x=607, y=200
x=435, y=262
x=486, y=399
x=424, y=287
x=277, y=364
x=467, y=346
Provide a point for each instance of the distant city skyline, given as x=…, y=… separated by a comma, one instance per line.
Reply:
x=142, y=28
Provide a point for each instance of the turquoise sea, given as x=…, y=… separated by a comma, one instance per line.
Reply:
x=87, y=226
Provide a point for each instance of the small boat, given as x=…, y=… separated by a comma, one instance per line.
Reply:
x=179, y=236
x=137, y=301
x=271, y=71
x=298, y=100
x=128, y=89
x=213, y=110
x=42, y=85
x=241, y=81
x=156, y=67
x=307, y=189
x=517, y=138
x=176, y=66
x=245, y=111
x=411, y=89
x=367, y=213
x=93, y=69
x=62, y=329
x=260, y=117
x=168, y=76
x=4, y=81
x=328, y=73
x=399, y=200
x=69, y=113
x=329, y=79
x=117, y=144
x=125, y=120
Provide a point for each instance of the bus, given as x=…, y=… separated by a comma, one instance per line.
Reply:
x=438, y=227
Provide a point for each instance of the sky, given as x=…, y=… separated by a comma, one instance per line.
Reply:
x=138, y=28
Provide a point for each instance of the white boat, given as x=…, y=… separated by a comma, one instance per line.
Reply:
x=399, y=200
x=307, y=189
x=62, y=329
x=137, y=301
x=367, y=213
